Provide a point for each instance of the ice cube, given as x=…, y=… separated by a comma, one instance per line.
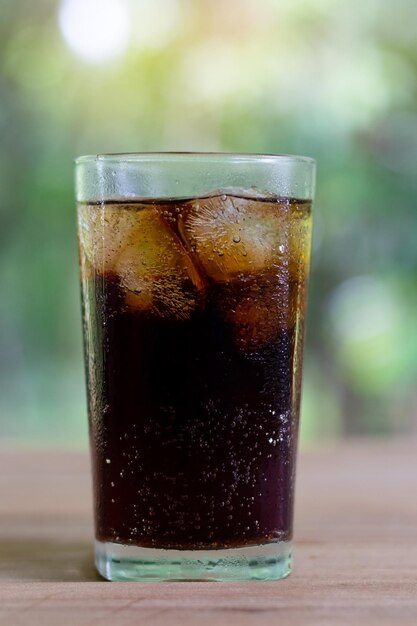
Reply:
x=156, y=270
x=103, y=231
x=233, y=235
x=256, y=248
x=258, y=307
x=151, y=263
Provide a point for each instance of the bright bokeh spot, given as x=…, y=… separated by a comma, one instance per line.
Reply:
x=367, y=321
x=95, y=30
x=363, y=307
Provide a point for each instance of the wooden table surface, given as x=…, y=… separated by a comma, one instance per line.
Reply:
x=355, y=555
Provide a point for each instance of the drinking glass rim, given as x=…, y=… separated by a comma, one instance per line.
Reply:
x=236, y=157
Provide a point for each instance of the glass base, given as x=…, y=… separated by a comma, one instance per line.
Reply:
x=269, y=561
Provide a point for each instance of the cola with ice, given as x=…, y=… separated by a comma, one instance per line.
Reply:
x=193, y=315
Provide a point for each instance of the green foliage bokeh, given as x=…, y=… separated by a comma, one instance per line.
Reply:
x=329, y=79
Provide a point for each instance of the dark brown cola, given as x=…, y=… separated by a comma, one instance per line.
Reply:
x=193, y=315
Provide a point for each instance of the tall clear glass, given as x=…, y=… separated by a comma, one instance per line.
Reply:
x=194, y=272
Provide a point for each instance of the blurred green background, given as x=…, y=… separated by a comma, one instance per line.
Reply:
x=331, y=79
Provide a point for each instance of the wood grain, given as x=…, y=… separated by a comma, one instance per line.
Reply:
x=355, y=556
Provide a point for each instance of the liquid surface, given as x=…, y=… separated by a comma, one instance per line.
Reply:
x=193, y=316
